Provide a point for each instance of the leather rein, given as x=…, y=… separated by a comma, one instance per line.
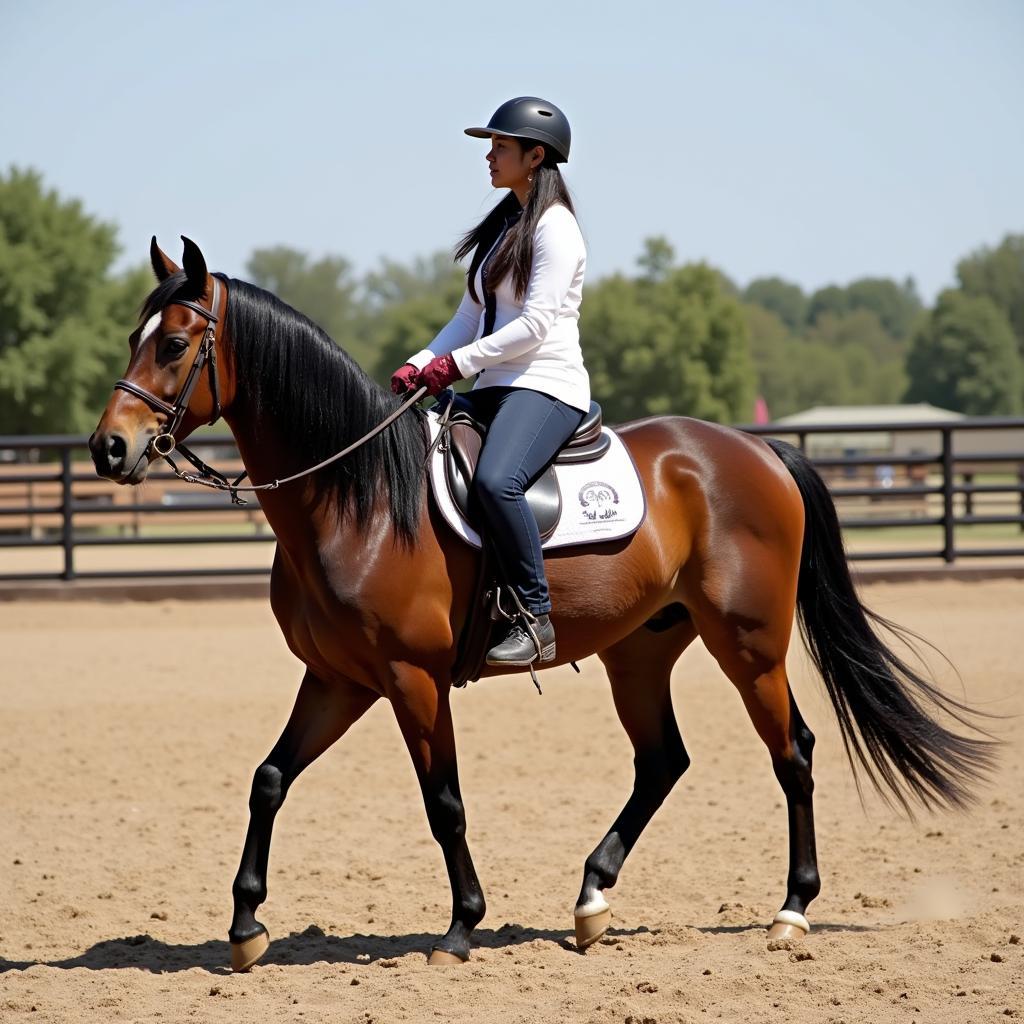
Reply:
x=164, y=443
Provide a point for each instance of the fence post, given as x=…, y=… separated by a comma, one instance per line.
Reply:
x=1020, y=480
x=948, y=540
x=67, y=511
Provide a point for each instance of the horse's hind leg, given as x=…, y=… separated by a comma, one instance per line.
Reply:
x=322, y=714
x=639, y=669
x=749, y=641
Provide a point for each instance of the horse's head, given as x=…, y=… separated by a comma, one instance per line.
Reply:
x=171, y=385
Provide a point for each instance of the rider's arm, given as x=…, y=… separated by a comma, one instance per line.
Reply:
x=461, y=328
x=557, y=251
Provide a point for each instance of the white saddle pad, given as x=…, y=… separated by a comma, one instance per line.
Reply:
x=601, y=500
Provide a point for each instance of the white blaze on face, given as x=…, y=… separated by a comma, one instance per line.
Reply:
x=151, y=325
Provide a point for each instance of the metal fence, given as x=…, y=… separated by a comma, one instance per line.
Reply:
x=948, y=481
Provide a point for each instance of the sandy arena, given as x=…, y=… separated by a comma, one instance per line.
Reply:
x=131, y=731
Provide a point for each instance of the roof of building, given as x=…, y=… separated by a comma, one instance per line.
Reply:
x=920, y=412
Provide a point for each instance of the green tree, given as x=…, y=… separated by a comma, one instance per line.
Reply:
x=674, y=345
x=831, y=299
x=407, y=306
x=965, y=358
x=325, y=290
x=64, y=321
x=657, y=259
x=872, y=360
x=787, y=301
x=998, y=274
x=897, y=306
x=795, y=373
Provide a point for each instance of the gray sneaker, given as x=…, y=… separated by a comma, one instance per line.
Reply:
x=518, y=647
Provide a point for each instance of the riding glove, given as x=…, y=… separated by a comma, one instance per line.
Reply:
x=439, y=373
x=404, y=379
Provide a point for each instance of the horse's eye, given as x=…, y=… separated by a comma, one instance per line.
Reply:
x=176, y=347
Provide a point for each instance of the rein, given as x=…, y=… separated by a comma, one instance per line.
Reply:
x=164, y=443
x=210, y=477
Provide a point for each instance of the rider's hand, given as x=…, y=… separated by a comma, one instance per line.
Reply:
x=439, y=373
x=404, y=379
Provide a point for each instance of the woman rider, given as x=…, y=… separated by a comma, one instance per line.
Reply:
x=517, y=329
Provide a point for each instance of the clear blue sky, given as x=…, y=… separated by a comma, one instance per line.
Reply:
x=821, y=142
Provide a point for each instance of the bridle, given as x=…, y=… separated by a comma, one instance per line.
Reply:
x=164, y=443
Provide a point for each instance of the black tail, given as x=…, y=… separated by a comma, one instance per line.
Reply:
x=882, y=703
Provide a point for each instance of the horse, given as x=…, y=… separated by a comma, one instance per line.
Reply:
x=371, y=588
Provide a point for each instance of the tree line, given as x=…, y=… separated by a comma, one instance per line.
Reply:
x=667, y=338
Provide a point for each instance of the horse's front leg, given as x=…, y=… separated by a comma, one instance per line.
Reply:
x=424, y=716
x=322, y=714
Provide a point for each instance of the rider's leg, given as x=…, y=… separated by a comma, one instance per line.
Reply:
x=526, y=433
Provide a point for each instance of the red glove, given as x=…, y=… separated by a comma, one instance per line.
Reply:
x=405, y=379
x=439, y=373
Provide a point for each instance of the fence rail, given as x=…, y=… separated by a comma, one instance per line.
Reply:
x=928, y=480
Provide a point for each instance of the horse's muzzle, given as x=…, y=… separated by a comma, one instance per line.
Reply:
x=118, y=457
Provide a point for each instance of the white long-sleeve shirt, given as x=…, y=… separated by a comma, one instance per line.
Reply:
x=535, y=342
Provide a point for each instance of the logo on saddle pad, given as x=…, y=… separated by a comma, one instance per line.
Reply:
x=598, y=500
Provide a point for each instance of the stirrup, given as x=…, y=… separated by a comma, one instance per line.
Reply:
x=528, y=620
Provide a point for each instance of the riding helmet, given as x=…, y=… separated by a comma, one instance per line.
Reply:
x=530, y=117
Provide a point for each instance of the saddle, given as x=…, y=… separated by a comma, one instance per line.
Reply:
x=459, y=441
x=465, y=438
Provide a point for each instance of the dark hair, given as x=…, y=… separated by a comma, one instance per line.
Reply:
x=319, y=400
x=515, y=253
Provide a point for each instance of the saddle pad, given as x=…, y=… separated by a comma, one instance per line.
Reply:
x=601, y=500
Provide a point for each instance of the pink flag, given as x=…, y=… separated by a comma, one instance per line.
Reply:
x=761, y=414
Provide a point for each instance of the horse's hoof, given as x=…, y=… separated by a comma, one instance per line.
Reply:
x=592, y=921
x=788, y=927
x=442, y=958
x=245, y=954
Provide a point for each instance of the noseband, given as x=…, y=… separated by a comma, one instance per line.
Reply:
x=206, y=355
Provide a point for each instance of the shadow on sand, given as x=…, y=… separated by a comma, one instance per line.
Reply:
x=738, y=929
x=313, y=945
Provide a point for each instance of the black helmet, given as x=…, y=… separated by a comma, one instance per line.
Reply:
x=529, y=117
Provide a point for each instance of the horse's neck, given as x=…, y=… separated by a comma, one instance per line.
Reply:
x=290, y=512
x=304, y=527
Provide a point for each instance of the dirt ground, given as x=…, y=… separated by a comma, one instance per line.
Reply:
x=130, y=733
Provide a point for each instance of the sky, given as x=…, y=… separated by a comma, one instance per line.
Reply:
x=820, y=142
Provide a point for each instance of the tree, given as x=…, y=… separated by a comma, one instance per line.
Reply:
x=787, y=301
x=407, y=307
x=325, y=290
x=64, y=321
x=831, y=299
x=795, y=373
x=965, y=358
x=657, y=258
x=872, y=360
x=998, y=274
x=674, y=345
x=897, y=306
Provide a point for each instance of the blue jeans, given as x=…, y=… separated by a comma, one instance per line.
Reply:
x=526, y=429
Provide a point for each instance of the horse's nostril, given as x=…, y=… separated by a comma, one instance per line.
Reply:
x=117, y=448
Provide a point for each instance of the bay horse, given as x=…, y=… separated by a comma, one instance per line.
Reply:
x=371, y=589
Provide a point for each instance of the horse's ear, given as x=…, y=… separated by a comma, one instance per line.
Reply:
x=163, y=265
x=195, y=266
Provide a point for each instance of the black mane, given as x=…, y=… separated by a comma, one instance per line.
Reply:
x=290, y=373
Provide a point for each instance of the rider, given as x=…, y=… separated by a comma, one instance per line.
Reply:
x=517, y=328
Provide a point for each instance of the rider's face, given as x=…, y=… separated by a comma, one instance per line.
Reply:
x=510, y=165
